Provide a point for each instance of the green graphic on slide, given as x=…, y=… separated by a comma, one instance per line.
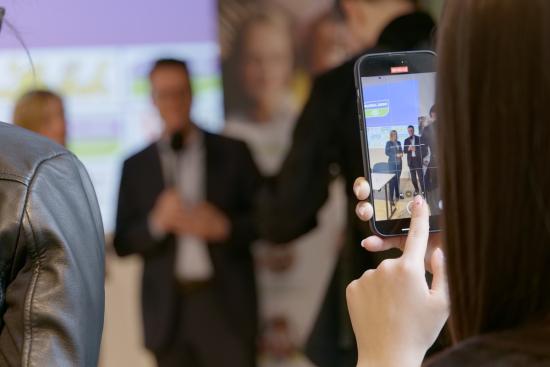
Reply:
x=377, y=109
x=200, y=84
x=95, y=148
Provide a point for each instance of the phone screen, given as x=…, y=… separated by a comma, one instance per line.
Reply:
x=400, y=116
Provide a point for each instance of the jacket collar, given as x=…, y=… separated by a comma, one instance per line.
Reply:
x=411, y=31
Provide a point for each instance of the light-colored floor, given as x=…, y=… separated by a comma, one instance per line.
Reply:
x=122, y=343
x=407, y=189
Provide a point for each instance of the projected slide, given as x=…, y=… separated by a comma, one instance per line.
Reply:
x=390, y=106
x=97, y=55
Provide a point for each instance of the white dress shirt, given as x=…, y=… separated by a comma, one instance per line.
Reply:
x=186, y=171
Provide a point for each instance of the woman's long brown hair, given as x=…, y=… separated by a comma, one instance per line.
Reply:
x=494, y=133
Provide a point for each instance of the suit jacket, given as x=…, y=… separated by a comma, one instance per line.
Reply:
x=428, y=143
x=410, y=159
x=231, y=182
x=327, y=133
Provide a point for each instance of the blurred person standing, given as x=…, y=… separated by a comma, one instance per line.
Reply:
x=260, y=71
x=185, y=206
x=42, y=111
x=327, y=133
x=291, y=277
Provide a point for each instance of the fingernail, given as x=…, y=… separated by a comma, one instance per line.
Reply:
x=364, y=244
x=439, y=253
x=356, y=189
x=418, y=201
x=362, y=211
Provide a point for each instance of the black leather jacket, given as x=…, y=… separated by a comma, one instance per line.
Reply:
x=51, y=255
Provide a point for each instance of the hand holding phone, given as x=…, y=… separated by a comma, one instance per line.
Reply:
x=423, y=310
x=364, y=211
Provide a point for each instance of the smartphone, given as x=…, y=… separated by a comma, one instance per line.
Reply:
x=397, y=117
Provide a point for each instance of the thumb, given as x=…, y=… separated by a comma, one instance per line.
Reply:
x=439, y=283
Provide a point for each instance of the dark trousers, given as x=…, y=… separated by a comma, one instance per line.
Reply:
x=417, y=176
x=430, y=179
x=432, y=190
x=204, y=337
x=395, y=168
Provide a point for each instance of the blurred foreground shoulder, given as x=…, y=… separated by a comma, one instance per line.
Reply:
x=489, y=353
x=53, y=268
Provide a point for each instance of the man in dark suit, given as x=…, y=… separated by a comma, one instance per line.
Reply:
x=428, y=143
x=327, y=133
x=185, y=207
x=414, y=160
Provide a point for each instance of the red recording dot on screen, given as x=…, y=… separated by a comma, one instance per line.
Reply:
x=399, y=69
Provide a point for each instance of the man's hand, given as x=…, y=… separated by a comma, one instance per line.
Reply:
x=207, y=222
x=204, y=220
x=168, y=213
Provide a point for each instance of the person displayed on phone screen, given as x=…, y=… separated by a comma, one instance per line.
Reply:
x=429, y=160
x=414, y=160
x=394, y=151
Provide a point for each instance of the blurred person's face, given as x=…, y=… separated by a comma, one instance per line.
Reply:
x=357, y=14
x=332, y=44
x=411, y=131
x=422, y=121
x=267, y=63
x=55, y=125
x=393, y=136
x=171, y=92
x=433, y=116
